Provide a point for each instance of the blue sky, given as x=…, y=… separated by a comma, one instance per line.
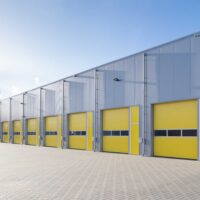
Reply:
x=45, y=40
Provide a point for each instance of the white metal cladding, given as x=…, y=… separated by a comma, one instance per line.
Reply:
x=172, y=74
x=165, y=73
x=32, y=104
x=52, y=99
x=123, y=93
x=79, y=93
x=5, y=110
x=17, y=107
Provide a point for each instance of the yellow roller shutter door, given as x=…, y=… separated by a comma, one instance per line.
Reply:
x=80, y=131
x=17, y=131
x=5, y=132
x=77, y=131
x=53, y=131
x=115, y=128
x=175, y=129
x=32, y=132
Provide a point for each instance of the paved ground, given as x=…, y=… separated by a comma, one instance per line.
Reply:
x=28, y=172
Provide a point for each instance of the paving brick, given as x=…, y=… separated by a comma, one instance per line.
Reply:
x=43, y=173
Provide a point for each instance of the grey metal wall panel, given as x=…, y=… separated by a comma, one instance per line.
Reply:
x=165, y=71
x=31, y=104
x=138, y=77
x=127, y=91
x=172, y=75
x=139, y=96
x=79, y=93
x=76, y=96
x=52, y=99
x=195, y=67
x=5, y=110
x=50, y=102
x=169, y=71
x=124, y=93
x=153, y=75
x=17, y=107
x=182, y=69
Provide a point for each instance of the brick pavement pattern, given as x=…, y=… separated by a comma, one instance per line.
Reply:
x=42, y=173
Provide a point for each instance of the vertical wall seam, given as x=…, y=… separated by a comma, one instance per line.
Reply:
x=145, y=105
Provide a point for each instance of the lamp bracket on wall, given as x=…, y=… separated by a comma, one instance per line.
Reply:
x=116, y=79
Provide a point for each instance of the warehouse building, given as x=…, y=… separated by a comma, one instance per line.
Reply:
x=144, y=104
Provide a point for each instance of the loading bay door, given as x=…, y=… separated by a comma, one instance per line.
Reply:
x=80, y=130
x=17, y=131
x=175, y=129
x=121, y=130
x=53, y=131
x=5, y=134
x=32, y=131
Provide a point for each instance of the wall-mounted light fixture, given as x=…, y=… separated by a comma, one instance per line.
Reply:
x=116, y=79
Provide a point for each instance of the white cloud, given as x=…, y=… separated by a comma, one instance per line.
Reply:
x=36, y=80
x=5, y=92
x=14, y=90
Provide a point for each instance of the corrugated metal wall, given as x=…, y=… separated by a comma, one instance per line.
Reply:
x=127, y=91
x=172, y=74
x=32, y=104
x=5, y=110
x=165, y=73
x=17, y=107
x=52, y=99
x=79, y=93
